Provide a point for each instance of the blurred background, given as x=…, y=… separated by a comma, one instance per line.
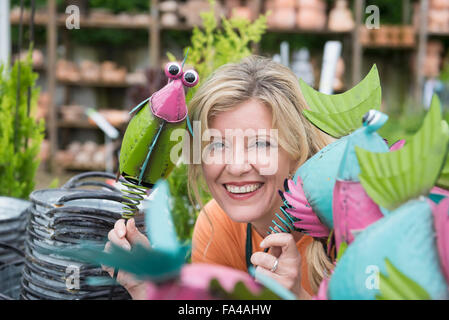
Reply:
x=90, y=75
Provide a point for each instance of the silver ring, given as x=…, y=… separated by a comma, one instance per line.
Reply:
x=275, y=266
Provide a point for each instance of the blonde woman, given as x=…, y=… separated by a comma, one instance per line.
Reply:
x=252, y=137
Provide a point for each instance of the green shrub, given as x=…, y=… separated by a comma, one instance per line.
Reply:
x=20, y=136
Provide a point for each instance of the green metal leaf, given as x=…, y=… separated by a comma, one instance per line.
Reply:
x=392, y=178
x=342, y=249
x=340, y=114
x=397, y=286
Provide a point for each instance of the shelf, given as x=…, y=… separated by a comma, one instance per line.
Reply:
x=99, y=84
x=84, y=124
x=439, y=33
x=325, y=32
x=114, y=22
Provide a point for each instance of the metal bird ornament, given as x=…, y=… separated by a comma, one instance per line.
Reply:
x=310, y=200
x=380, y=205
x=409, y=247
x=147, y=143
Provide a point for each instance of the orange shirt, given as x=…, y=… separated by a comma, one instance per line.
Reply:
x=219, y=240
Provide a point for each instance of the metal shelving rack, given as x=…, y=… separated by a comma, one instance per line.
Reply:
x=53, y=21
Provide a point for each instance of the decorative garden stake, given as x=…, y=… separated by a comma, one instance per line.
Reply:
x=146, y=147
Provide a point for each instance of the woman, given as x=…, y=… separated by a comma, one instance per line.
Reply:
x=254, y=136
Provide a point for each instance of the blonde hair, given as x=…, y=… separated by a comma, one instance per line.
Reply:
x=277, y=87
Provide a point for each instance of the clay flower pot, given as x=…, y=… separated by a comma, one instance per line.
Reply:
x=340, y=17
x=407, y=35
x=394, y=35
x=311, y=19
x=381, y=36
x=242, y=12
x=283, y=18
x=280, y=4
x=365, y=36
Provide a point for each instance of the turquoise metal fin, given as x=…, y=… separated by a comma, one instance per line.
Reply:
x=189, y=125
x=140, y=105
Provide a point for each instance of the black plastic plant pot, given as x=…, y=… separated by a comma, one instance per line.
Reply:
x=62, y=218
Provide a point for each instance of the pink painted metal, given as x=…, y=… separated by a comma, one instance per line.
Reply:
x=441, y=223
x=302, y=210
x=397, y=145
x=353, y=211
x=193, y=283
x=169, y=103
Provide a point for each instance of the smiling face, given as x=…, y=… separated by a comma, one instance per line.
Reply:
x=243, y=165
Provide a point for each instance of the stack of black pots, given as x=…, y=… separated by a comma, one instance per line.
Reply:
x=14, y=214
x=82, y=210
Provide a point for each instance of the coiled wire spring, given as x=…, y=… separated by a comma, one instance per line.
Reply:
x=133, y=194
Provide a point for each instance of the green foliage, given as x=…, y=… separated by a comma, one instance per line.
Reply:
x=215, y=45
x=211, y=47
x=18, y=160
x=397, y=286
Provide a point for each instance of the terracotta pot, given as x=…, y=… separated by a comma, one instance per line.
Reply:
x=340, y=17
x=407, y=36
x=381, y=36
x=90, y=71
x=283, y=18
x=311, y=19
x=438, y=20
x=169, y=19
x=168, y=6
x=439, y=4
x=365, y=35
x=285, y=4
x=394, y=35
x=242, y=12
x=311, y=4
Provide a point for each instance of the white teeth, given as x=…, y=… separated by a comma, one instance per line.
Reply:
x=243, y=189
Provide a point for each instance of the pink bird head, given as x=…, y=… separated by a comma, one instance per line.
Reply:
x=169, y=103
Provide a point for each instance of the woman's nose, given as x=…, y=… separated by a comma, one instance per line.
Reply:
x=239, y=164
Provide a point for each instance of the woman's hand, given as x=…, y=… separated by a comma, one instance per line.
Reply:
x=288, y=270
x=126, y=236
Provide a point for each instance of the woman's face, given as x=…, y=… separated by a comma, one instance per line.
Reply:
x=243, y=165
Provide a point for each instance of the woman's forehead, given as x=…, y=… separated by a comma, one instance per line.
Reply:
x=249, y=115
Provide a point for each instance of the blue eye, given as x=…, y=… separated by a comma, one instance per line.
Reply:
x=262, y=144
x=216, y=146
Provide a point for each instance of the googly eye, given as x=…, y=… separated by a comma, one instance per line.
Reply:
x=190, y=78
x=173, y=70
x=374, y=120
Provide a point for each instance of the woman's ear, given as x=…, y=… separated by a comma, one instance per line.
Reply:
x=292, y=169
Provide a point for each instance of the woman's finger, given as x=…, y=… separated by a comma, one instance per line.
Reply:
x=263, y=259
x=268, y=273
x=122, y=242
x=120, y=228
x=134, y=235
x=284, y=240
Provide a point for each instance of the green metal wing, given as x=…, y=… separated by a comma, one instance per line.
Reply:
x=392, y=178
x=340, y=114
x=398, y=286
